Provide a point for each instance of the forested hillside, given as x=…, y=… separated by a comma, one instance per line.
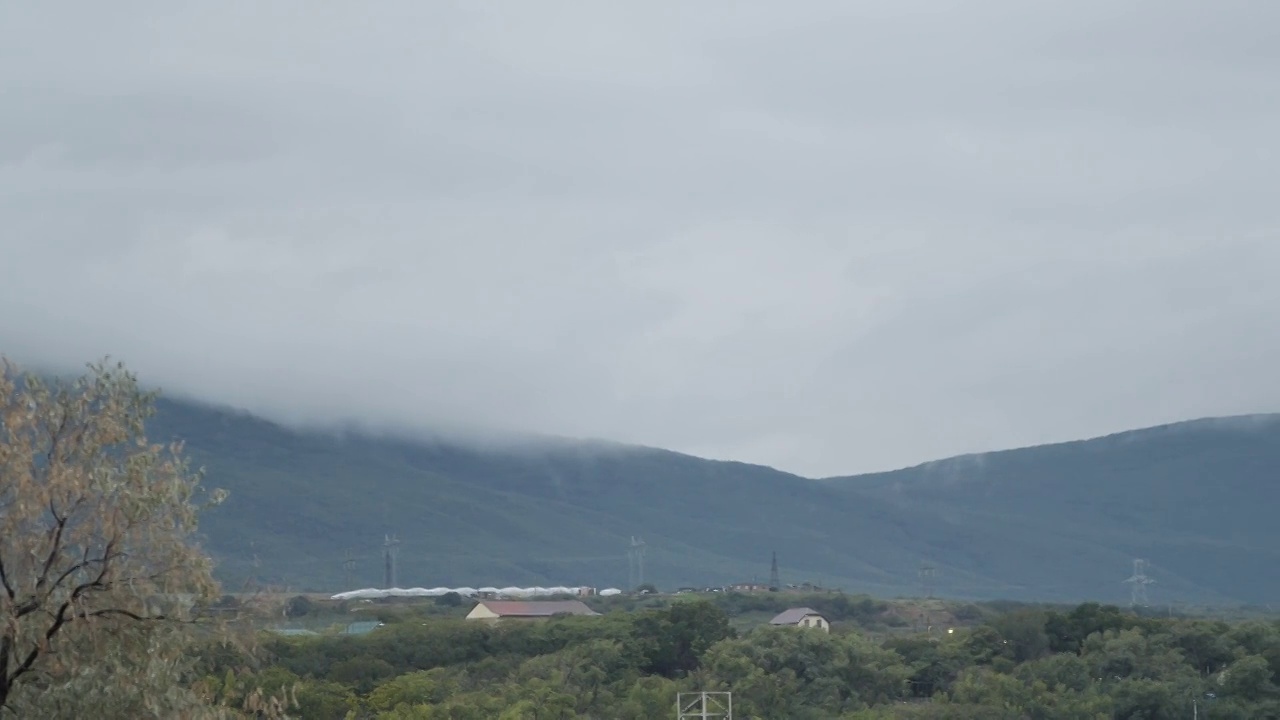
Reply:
x=555, y=514
x=1196, y=500
x=1056, y=522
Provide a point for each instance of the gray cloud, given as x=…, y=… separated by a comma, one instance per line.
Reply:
x=828, y=236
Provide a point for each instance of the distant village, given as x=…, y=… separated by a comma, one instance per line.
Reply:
x=513, y=604
x=493, y=604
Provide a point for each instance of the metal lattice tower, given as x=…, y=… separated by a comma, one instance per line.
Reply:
x=348, y=568
x=255, y=563
x=927, y=573
x=1138, y=583
x=635, y=556
x=704, y=706
x=391, y=552
x=774, y=582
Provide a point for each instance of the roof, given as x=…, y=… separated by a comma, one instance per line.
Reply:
x=537, y=608
x=362, y=627
x=793, y=616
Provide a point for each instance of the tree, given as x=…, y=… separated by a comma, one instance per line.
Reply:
x=785, y=672
x=1024, y=631
x=99, y=577
x=674, y=640
x=298, y=606
x=1249, y=678
x=1068, y=632
x=449, y=599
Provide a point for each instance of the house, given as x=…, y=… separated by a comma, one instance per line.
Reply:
x=527, y=609
x=802, y=617
x=749, y=587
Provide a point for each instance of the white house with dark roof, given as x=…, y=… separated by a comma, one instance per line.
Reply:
x=802, y=617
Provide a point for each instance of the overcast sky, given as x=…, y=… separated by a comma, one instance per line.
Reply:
x=827, y=236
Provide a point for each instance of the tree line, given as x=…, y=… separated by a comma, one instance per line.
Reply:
x=1090, y=662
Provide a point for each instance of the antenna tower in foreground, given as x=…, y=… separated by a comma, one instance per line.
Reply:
x=774, y=582
x=704, y=706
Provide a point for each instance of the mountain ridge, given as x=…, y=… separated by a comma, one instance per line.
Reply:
x=1192, y=498
x=303, y=501
x=1242, y=421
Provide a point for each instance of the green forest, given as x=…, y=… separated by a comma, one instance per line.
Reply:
x=989, y=662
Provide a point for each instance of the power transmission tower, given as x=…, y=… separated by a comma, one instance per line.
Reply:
x=774, y=582
x=348, y=569
x=631, y=567
x=704, y=706
x=927, y=573
x=256, y=563
x=635, y=553
x=391, y=551
x=1138, y=583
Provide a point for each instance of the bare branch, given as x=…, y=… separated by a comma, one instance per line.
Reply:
x=6, y=644
x=55, y=438
x=108, y=612
x=25, y=666
x=55, y=549
x=4, y=580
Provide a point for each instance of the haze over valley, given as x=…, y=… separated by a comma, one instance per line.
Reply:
x=830, y=239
